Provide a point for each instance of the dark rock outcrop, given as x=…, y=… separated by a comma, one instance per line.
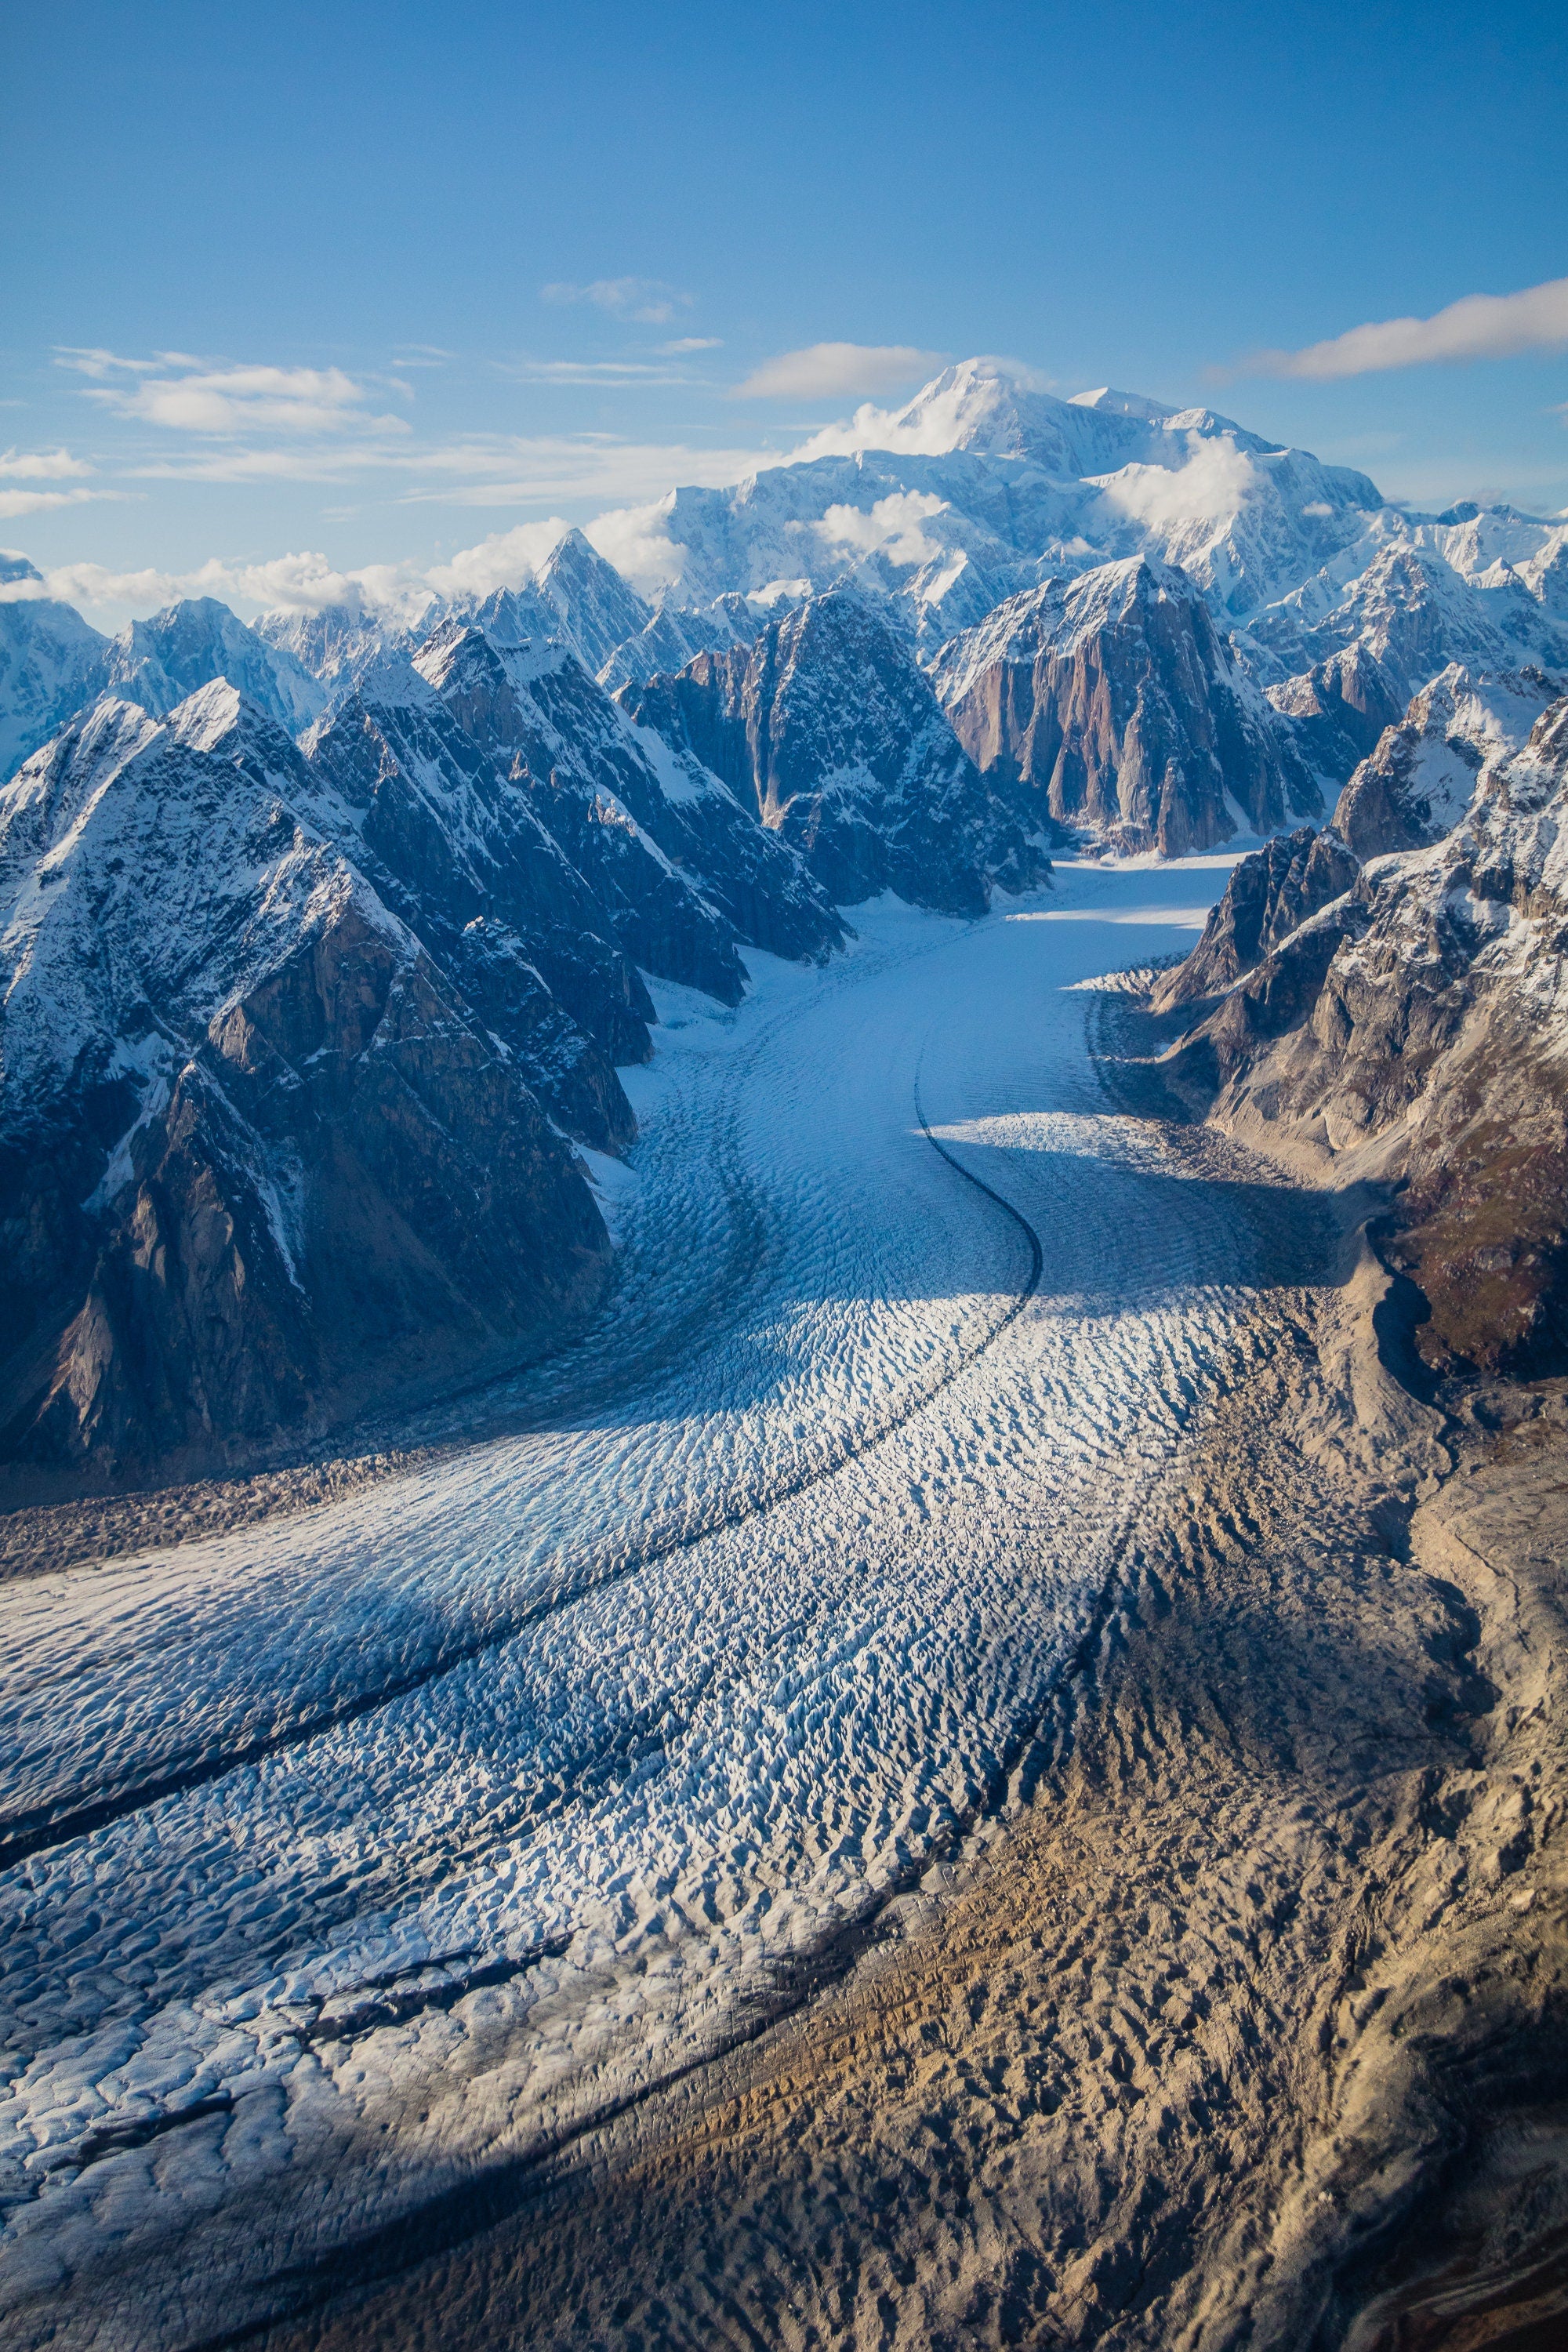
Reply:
x=1337, y=710
x=833, y=732
x=1111, y=701
x=260, y=1160
x=678, y=866
x=1267, y=897
x=457, y=849
x=1414, y=1030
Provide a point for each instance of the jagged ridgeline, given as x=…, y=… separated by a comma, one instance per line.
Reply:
x=302, y=1037
x=325, y=938
x=1404, y=1019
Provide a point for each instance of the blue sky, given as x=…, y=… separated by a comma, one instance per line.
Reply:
x=429, y=275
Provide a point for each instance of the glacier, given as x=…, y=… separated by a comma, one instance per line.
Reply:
x=357, y=1861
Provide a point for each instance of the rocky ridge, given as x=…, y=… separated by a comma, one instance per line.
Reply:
x=235, y=1159
x=259, y=1158
x=828, y=725
x=1112, y=700
x=1410, y=1031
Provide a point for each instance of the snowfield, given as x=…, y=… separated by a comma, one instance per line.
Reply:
x=357, y=1859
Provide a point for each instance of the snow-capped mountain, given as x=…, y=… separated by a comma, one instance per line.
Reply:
x=979, y=491
x=455, y=849
x=1112, y=700
x=1419, y=781
x=158, y=663
x=679, y=864
x=595, y=609
x=1412, y=1029
x=830, y=726
x=336, y=645
x=51, y=662
x=980, y=487
x=258, y=1156
x=673, y=635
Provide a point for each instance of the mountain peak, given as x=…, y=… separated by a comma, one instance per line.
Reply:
x=1111, y=403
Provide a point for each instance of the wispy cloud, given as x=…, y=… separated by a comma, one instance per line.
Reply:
x=88, y=360
x=684, y=344
x=601, y=374
x=556, y=467
x=42, y=465
x=826, y=370
x=23, y=503
x=186, y=396
x=1478, y=327
x=649, y=300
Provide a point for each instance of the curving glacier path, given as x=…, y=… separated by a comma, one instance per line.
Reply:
x=355, y=1861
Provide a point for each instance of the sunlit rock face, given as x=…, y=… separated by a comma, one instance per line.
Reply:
x=1413, y=1029
x=1419, y=778
x=1114, y=701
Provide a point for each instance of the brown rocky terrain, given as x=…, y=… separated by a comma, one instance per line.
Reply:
x=1411, y=1031
x=1112, y=700
x=1256, y=1997
x=261, y=1159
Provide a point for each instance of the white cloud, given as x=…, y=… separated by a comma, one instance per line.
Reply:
x=230, y=402
x=891, y=529
x=301, y=583
x=683, y=343
x=646, y=299
x=1216, y=479
x=823, y=371
x=602, y=374
x=505, y=560
x=1478, y=327
x=21, y=502
x=42, y=465
x=637, y=541
x=90, y=360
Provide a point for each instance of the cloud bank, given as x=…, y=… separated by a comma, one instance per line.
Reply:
x=1478, y=327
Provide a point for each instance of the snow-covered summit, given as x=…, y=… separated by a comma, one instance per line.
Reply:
x=158, y=663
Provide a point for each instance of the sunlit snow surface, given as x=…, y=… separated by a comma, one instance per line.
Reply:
x=559, y=1749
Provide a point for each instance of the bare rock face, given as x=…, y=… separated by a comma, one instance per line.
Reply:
x=1269, y=894
x=260, y=1160
x=833, y=732
x=1337, y=710
x=1111, y=701
x=1415, y=1030
x=668, y=853
x=457, y=849
x=1418, y=782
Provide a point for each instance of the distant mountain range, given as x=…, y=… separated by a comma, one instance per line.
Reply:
x=324, y=936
